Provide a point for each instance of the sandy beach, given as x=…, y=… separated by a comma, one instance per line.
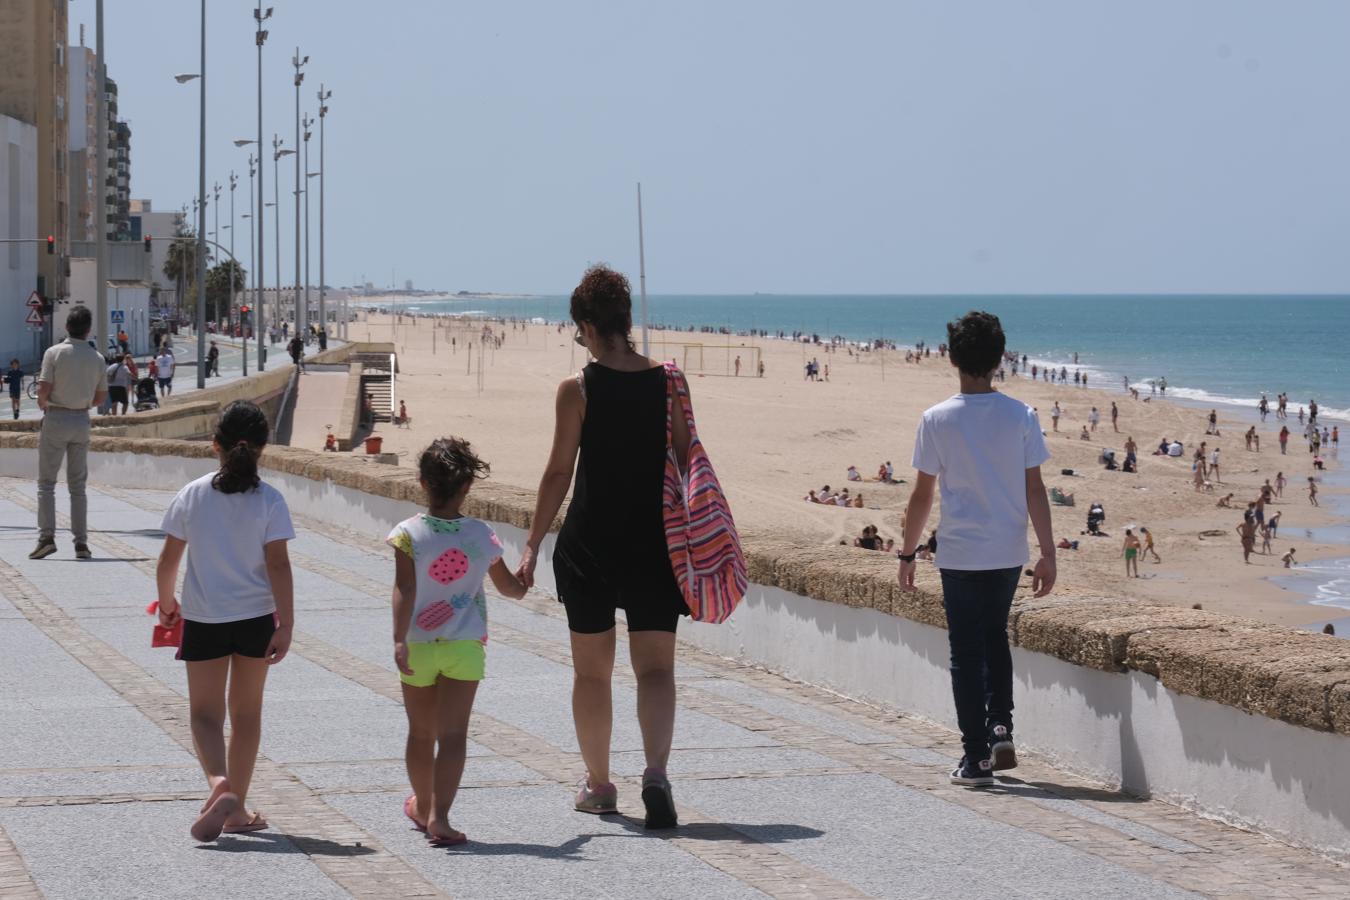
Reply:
x=775, y=437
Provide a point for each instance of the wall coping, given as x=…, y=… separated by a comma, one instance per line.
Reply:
x=1286, y=674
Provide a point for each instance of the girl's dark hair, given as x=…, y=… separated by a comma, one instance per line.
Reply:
x=447, y=465
x=976, y=343
x=241, y=433
x=605, y=300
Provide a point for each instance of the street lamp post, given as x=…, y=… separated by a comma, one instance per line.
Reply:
x=243, y=335
x=277, y=154
x=302, y=321
x=253, y=259
x=323, y=290
x=307, y=122
x=201, y=204
x=258, y=315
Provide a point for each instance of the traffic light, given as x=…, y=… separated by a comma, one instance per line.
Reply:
x=147, y=243
x=243, y=313
x=51, y=245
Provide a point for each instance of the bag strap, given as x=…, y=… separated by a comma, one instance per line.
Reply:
x=581, y=383
x=675, y=382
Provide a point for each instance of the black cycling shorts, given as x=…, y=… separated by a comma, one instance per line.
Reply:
x=204, y=641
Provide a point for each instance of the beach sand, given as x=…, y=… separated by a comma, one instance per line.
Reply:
x=773, y=438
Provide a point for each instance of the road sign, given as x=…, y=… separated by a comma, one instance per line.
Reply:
x=34, y=317
x=34, y=300
x=118, y=317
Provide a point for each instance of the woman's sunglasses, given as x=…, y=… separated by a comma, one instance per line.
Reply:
x=579, y=338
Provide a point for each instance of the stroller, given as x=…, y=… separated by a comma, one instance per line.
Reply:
x=145, y=394
x=1096, y=516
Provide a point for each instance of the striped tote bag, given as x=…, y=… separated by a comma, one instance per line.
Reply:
x=705, y=550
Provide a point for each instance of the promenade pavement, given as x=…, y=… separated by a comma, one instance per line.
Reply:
x=784, y=790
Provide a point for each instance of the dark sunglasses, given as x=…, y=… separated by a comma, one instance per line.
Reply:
x=579, y=338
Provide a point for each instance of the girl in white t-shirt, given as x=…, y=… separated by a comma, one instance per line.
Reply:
x=440, y=628
x=237, y=610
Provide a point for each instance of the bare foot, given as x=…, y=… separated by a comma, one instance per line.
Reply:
x=220, y=787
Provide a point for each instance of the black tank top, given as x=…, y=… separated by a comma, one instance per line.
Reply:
x=614, y=529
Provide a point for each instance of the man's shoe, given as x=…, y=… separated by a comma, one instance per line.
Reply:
x=979, y=774
x=82, y=551
x=1003, y=752
x=43, y=550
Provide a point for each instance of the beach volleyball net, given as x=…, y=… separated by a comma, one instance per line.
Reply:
x=708, y=359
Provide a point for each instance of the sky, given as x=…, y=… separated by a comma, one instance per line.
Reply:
x=887, y=146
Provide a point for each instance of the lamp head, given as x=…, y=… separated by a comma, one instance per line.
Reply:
x=185, y=77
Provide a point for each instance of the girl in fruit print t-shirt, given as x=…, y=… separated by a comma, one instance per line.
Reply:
x=440, y=628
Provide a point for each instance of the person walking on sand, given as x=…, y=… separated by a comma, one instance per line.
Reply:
x=1284, y=439
x=73, y=378
x=1115, y=416
x=1288, y=559
x=1214, y=465
x=237, y=610
x=738, y=366
x=1312, y=491
x=1246, y=530
x=1148, y=545
x=611, y=429
x=1131, y=553
x=440, y=560
x=983, y=450
x=1054, y=416
x=1093, y=418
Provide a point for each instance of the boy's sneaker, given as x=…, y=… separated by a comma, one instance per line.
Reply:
x=978, y=774
x=43, y=550
x=599, y=800
x=82, y=552
x=1001, y=749
x=660, y=803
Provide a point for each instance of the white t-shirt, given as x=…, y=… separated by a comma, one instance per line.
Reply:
x=980, y=446
x=165, y=362
x=226, y=577
x=451, y=558
x=1214, y=457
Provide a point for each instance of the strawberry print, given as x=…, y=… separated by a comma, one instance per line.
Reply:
x=451, y=565
x=435, y=615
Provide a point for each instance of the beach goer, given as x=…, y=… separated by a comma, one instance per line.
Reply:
x=1266, y=537
x=1176, y=449
x=1284, y=438
x=1093, y=418
x=164, y=366
x=738, y=366
x=1131, y=553
x=14, y=380
x=441, y=658
x=1214, y=465
x=983, y=450
x=119, y=385
x=1280, y=482
x=1336, y=437
x=1274, y=524
x=1312, y=491
x=1148, y=545
x=1213, y=426
x=1247, y=532
x=237, y=610
x=611, y=552
x=1329, y=629
x=761, y=368
x=1288, y=559
x=1054, y=416
x=1083, y=435
x=853, y=474
x=73, y=378
x=1225, y=502
x=1115, y=416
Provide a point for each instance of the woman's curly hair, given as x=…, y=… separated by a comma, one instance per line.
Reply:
x=604, y=299
x=447, y=465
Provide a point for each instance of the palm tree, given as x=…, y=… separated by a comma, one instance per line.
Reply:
x=180, y=265
x=219, y=291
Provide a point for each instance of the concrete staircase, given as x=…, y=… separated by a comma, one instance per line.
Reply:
x=377, y=379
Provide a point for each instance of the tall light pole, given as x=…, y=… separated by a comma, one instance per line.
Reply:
x=243, y=335
x=215, y=236
x=302, y=321
x=201, y=205
x=277, y=154
x=253, y=258
x=323, y=290
x=307, y=122
x=101, y=326
x=260, y=321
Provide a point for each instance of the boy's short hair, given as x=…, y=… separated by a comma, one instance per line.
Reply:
x=976, y=343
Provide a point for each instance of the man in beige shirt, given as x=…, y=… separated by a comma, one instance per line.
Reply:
x=74, y=377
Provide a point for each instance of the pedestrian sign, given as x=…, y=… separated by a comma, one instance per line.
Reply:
x=34, y=300
x=118, y=317
x=34, y=317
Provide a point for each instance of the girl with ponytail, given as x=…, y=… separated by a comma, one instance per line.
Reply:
x=237, y=610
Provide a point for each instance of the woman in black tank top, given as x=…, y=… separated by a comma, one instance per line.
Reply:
x=611, y=552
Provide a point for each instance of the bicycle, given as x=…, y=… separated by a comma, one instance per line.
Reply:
x=32, y=387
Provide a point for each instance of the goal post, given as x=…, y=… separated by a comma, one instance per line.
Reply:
x=709, y=360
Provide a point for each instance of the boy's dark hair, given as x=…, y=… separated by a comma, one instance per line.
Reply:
x=241, y=433
x=447, y=465
x=976, y=343
x=604, y=300
x=78, y=322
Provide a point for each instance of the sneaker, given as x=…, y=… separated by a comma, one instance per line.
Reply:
x=980, y=774
x=599, y=800
x=82, y=551
x=44, y=549
x=660, y=803
x=1001, y=749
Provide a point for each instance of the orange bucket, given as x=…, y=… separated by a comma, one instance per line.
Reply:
x=373, y=444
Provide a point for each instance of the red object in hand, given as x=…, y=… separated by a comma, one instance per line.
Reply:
x=165, y=635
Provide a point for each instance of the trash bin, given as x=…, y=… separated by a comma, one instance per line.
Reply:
x=373, y=444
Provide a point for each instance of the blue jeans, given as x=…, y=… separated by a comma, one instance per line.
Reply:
x=977, y=604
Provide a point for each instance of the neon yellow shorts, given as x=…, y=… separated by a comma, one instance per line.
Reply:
x=456, y=660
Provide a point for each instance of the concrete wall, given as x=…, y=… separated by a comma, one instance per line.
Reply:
x=18, y=219
x=1236, y=720
x=132, y=299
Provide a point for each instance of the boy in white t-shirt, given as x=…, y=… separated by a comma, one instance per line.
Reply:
x=984, y=451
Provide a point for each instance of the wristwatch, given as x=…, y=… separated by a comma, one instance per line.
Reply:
x=907, y=557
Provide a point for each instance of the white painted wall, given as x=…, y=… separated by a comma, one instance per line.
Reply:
x=1124, y=730
x=18, y=219
x=132, y=299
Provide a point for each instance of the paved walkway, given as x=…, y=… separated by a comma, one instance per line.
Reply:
x=784, y=790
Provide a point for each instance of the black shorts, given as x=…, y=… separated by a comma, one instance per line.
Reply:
x=204, y=641
x=650, y=604
x=117, y=394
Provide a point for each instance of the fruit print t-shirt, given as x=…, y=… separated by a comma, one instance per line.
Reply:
x=451, y=558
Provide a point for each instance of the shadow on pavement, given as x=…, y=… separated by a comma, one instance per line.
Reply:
x=274, y=842
x=1049, y=791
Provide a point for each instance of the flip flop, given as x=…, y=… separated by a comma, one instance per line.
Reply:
x=210, y=823
x=437, y=840
x=255, y=823
x=410, y=810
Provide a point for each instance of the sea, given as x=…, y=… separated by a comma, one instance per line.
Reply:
x=1220, y=350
